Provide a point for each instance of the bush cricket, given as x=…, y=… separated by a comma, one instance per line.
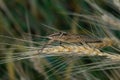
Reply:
x=70, y=38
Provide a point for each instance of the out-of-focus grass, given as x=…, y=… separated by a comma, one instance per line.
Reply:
x=23, y=25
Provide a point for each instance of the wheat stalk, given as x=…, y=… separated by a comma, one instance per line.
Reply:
x=70, y=50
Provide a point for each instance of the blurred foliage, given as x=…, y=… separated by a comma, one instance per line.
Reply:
x=21, y=18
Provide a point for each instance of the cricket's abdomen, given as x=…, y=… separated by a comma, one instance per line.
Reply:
x=79, y=39
x=73, y=38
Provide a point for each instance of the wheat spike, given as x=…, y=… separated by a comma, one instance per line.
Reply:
x=71, y=50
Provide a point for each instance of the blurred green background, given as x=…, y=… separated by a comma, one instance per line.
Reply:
x=17, y=15
x=22, y=21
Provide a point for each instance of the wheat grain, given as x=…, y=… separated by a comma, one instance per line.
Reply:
x=72, y=50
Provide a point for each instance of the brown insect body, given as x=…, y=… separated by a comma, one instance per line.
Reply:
x=72, y=38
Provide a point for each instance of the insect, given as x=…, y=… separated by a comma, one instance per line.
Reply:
x=70, y=38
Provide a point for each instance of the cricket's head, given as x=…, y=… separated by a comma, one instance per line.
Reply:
x=56, y=35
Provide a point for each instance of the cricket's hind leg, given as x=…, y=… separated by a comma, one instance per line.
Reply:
x=84, y=44
x=78, y=44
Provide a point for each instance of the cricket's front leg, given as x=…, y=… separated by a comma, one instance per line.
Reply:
x=61, y=44
x=49, y=42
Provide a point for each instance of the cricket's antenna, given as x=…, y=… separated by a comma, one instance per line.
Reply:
x=52, y=28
